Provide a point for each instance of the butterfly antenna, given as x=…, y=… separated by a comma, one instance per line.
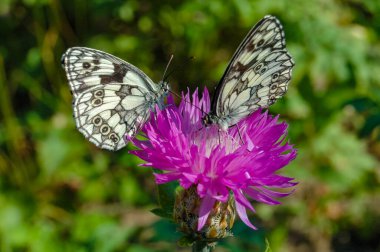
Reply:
x=164, y=77
x=175, y=68
x=167, y=66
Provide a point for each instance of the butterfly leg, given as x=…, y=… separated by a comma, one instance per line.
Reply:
x=238, y=130
x=219, y=135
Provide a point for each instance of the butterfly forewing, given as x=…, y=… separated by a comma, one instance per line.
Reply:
x=257, y=75
x=112, y=98
x=86, y=67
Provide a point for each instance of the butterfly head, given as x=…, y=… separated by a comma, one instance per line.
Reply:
x=207, y=120
x=164, y=87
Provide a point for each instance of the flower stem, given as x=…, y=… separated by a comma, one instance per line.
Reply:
x=201, y=246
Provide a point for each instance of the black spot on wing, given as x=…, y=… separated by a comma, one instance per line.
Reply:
x=119, y=110
x=119, y=73
x=239, y=67
x=124, y=91
x=86, y=65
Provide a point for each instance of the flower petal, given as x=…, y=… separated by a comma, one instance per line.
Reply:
x=204, y=211
x=243, y=200
x=240, y=209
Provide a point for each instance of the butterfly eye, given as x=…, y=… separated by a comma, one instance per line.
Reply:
x=97, y=120
x=104, y=129
x=96, y=102
x=114, y=138
x=99, y=93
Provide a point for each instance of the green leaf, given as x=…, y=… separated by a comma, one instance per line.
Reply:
x=267, y=249
x=166, y=196
x=162, y=213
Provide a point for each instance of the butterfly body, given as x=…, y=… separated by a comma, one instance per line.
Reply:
x=257, y=75
x=212, y=119
x=112, y=99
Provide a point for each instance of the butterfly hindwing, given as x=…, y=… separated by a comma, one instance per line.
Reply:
x=104, y=114
x=257, y=75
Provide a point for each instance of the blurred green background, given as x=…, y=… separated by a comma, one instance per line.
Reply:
x=61, y=193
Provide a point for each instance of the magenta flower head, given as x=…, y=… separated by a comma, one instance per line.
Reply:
x=218, y=164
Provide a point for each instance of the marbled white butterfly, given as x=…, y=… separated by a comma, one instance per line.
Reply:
x=112, y=98
x=257, y=75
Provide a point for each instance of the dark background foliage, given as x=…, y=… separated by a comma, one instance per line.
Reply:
x=60, y=193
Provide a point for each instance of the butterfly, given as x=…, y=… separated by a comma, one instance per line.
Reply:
x=257, y=75
x=112, y=99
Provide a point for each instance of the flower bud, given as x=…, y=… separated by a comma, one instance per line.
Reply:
x=218, y=224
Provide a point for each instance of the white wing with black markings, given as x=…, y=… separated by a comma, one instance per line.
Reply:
x=257, y=75
x=112, y=98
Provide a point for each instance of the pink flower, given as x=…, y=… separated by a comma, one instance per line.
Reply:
x=218, y=162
